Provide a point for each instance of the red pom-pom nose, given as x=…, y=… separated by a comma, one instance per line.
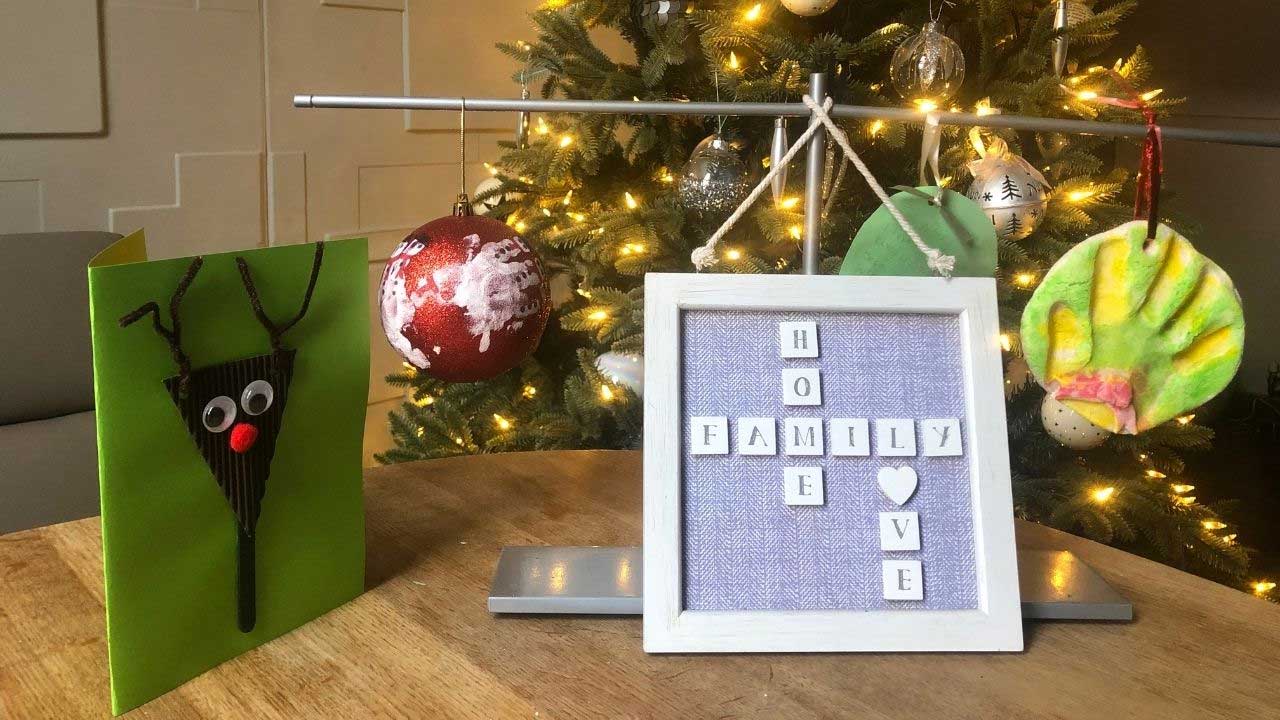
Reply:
x=243, y=436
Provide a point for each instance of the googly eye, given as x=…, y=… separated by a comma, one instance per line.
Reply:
x=218, y=414
x=257, y=397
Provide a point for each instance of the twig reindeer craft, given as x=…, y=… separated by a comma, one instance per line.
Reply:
x=233, y=411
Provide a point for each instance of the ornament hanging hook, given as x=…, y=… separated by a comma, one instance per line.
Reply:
x=931, y=149
x=1146, y=204
x=715, y=75
x=463, y=204
x=936, y=16
x=462, y=146
x=1152, y=168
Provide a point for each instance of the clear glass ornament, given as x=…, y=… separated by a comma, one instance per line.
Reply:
x=715, y=180
x=928, y=68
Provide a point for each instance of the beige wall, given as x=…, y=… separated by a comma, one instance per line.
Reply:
x=195, y=137
x=1220, y=56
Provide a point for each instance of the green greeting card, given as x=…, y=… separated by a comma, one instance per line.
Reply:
x=230, y=393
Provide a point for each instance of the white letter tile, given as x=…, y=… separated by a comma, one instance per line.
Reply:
x=803, y=436
x=801, y=386
x=895, y=437
x=849, y=436
x=709, y=435
x=903, y=580
x=798, y=339
x=941, y=437
x=899, y=531
x=802, y=485
x=757, y=436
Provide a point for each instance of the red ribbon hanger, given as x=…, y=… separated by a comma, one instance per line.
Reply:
x=1147, y=203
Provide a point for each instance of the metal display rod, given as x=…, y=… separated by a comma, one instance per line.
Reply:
x=818, y=91
x=646, y=107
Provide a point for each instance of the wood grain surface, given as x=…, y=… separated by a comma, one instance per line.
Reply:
x=421, y=644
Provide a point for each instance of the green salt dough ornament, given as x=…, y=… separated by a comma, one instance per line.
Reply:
x=881, y=247
x=1130, y=333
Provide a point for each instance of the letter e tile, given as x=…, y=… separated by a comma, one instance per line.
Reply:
x=903, y=579
x=803, y=486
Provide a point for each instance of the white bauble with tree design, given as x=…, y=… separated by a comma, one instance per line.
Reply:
x=808, y=8
x=1010, y=190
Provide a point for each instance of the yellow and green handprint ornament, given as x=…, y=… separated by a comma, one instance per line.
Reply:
x=1133, y=328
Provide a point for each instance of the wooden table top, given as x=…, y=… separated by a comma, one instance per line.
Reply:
x=421, y=643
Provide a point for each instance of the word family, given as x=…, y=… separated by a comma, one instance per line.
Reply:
x=803, y=436
x=835, y=439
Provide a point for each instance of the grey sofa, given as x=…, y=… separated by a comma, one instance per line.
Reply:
x=48, y=450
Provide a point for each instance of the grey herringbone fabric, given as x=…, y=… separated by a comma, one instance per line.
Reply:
x=744, y=549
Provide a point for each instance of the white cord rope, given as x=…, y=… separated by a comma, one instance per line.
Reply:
x=705, y=255
x=938, y=262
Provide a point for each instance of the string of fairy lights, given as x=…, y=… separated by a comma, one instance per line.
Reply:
x=1082, y=90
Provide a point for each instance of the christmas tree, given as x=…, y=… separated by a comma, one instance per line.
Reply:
x=597, y=196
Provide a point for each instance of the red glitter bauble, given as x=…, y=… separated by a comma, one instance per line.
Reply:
x=464, y=298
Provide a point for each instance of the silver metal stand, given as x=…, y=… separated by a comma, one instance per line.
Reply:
x=814, y=167
x=608, y=580
x=1054, y=584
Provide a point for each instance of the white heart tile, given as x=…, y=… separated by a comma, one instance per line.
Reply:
x=898, y=484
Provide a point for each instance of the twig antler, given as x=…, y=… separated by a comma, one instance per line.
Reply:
x=171, y=335
x=276, y=331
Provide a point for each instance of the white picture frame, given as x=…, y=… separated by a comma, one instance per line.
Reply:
x=996, y=624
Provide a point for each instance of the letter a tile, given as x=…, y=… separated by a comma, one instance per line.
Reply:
x=757, y=436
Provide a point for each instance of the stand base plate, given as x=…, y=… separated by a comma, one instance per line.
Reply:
x=1055, y=584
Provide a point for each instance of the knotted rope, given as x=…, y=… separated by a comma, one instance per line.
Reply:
x=705, y=255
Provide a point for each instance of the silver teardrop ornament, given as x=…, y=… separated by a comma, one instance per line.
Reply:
x=522, y=122
x=1060, y=44
x=776, y=150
